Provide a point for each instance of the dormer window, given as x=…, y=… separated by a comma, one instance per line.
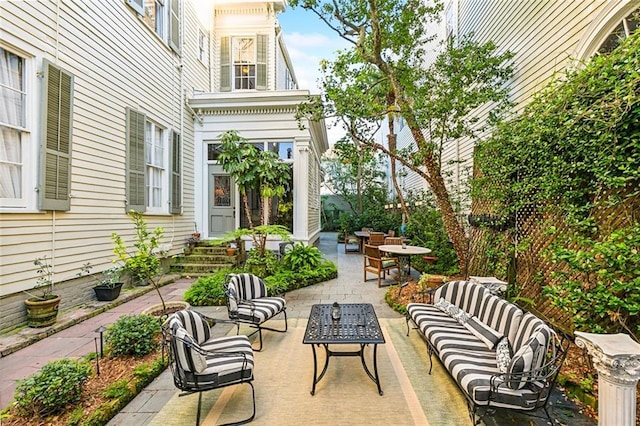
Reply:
x=243, y=63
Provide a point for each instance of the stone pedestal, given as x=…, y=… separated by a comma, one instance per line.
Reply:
x=616, y=357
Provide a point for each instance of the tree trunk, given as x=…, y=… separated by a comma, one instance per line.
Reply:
x=392, y=147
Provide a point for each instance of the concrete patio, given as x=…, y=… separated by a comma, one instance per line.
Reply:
x=421, y=399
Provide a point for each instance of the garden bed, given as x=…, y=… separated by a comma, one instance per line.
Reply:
x=122, y=378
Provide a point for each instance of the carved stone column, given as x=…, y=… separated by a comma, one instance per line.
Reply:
x=616, y=357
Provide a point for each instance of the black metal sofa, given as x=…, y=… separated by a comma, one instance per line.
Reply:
x=498, y=355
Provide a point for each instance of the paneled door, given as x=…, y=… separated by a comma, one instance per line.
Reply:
x=222, y=211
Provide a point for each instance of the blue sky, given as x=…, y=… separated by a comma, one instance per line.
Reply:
x=308, y=40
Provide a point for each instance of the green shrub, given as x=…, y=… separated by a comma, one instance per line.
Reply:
x=133, y=335
x=286, y=280
x=262, y=266
x=48, y=391
x=301, y=257
x=209, y=290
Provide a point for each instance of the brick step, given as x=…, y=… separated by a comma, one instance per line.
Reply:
x=205, y=259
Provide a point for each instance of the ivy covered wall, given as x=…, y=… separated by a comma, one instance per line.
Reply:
x=559, y=187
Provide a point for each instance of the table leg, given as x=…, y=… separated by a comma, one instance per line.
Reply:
x=316, y=377
x=374, y=377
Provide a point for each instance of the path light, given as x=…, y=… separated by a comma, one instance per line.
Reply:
x=101, y=330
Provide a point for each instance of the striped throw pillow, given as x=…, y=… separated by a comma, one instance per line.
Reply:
x=486, y=334
x=528, y=358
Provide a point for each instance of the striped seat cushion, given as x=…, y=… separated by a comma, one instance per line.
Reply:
x=500, y=315
x=193, y=323
x=528, y=325
x=442, y=330
x=260, y=310
x=226, y=360
x=464, y=294
x=244, y=287
x=473, y=371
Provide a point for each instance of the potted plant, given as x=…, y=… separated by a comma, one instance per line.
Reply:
x=108, y=288
x=231, y=250
x=42, y=309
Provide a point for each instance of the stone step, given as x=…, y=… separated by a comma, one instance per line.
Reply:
x=204, y=259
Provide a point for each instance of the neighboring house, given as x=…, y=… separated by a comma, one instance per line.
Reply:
x=95, y=120
x=546, y=36
x=255, y=92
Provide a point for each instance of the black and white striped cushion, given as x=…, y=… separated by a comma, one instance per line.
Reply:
x=500, y=315
x=195, y=325
x=186, y=353
x=464, y=294
x=245, y=287
x=528, y=325
x=486, y=334
x=529, y=358
x=260, y=310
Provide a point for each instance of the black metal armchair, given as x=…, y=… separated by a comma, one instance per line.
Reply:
x=200, y=363
x=249, y=303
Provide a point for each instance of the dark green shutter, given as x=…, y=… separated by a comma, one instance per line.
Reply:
x=55, y=152
x=225, y=64
x=261, y=61
x=136, y=163
x=174, y=26
x=175, y=201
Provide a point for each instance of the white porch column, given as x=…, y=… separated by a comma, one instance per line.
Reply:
x=301, y=190
x=616, y=357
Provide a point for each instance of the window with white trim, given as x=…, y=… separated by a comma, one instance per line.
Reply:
x=624, y=29
x=13, y=128
x=154, y=166
x=155, y=148
x=202, y=47
x=243, y=63
x=162, y=17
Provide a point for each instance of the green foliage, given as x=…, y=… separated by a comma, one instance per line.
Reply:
x=44, y=280
x=117, y=389
x=425, y=228
x=374, y=216
x=599, y=280
x=286, y=280
x=209, y=290
x=261, y=265
x=253, y=169
x=48, y=391
x=301, y=257
x=142, y=264
x=577, y=140
x=132, y=335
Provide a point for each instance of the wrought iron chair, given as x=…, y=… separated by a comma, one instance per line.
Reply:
x=200, y=363
x=376, y=264
x=249, y=303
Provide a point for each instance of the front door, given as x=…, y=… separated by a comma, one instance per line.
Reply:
x=222, y=210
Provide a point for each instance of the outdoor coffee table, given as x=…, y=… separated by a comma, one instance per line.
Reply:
x=358, y=324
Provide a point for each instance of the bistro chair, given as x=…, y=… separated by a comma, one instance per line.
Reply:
x=375, y=263
x=367, y=229
x=351, y=243
x=201, y=363
x=249, y=303
x=393, y=241
x=376, y=238
x=391, y=233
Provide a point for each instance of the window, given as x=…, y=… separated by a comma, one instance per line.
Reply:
x=624, y=29
x=243, y=63
x=13, y=128
x=155, y=165
x=154, y=16
x=162, y=17
x=202, y=47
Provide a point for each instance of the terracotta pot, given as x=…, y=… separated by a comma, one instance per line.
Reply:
x=42, y=313
x=231, y=251
x=171, y=307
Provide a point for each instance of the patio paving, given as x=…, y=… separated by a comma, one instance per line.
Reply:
x=348, y=287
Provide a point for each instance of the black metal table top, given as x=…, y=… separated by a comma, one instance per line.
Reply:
x=358, y=323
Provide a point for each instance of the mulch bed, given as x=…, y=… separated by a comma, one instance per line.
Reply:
x=111, y=371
